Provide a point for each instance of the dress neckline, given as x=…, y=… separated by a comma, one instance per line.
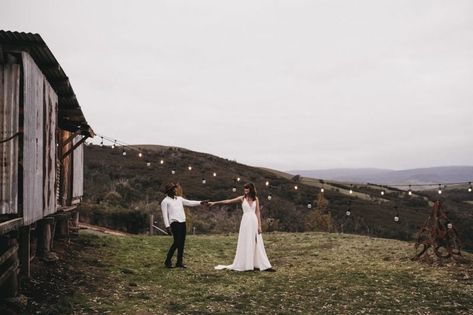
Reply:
x=251, y=205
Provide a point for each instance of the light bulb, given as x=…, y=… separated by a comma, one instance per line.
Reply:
x=140, y=154
x=410, y=191
x=269, y=197
x=161, y=162
x=351, y=191
x=214, y=174
x=173, y=172
x=204, y=181
x=234, y=189
x=189, y=168
x=124, y=152
x=322, y=189
x=440, y=190
x=470, y=189
x=267, y=183
x=148, y=164
x=114, y=144
x=309, y=205
x=348, y=212
x=382, y=192
x=396, y=218
x=449, y=226
x=238, y=179
x=295, y=187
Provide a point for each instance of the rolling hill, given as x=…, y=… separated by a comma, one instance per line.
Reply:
x=121, y=191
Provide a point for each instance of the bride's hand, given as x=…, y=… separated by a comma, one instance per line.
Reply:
x=210, y=204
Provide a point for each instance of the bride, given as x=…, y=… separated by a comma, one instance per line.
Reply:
x=250, y=253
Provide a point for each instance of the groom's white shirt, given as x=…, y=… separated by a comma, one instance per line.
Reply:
x=173, y=209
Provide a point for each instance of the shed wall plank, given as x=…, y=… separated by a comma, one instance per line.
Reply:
x=32, y=141
x=50, y=107
x=9, y=109
x=78, y=170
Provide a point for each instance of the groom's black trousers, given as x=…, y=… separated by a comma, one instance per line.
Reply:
x=178, y=230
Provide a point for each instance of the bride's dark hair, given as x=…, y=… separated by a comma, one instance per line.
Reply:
x=252, y=189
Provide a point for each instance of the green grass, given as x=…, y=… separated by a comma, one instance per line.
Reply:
x=317, y=273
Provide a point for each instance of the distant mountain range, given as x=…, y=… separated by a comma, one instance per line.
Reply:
x=430, y=175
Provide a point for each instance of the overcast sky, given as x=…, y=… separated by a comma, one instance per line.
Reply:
x=282, y=84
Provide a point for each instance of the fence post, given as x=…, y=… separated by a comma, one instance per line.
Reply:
x=151, y=222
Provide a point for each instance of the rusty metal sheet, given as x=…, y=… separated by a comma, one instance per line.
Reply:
x=9, y=109
x=50, y=107
x=32, y=141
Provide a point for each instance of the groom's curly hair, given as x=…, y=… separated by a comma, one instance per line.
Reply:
x=252, y=189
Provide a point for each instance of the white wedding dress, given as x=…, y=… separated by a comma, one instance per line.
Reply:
x=250, y=253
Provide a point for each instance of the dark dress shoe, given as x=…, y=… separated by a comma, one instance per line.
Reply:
x=180, y=266
x=168, y=264
x=270, y=270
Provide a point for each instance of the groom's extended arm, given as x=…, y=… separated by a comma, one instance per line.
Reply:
x=192, y=203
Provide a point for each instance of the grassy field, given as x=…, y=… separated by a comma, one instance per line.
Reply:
x=316, y=273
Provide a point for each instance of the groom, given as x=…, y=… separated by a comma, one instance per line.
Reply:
x=174, y=218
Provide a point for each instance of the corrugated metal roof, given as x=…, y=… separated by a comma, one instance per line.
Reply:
x=70, y=113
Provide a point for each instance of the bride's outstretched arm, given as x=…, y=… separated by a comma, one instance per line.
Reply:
x=226, y=202
x=258, y=215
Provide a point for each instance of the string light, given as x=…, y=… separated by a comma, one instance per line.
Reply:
x=449, y=225
x=348, y=212
x=115, y=143
x=234, y=189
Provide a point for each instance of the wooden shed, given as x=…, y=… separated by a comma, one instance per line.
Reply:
x=42, y=129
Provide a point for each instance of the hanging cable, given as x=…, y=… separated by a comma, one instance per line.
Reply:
x=9, y=138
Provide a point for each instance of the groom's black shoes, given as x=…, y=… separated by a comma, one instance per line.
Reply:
x=180, y=266
x=167, y=264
